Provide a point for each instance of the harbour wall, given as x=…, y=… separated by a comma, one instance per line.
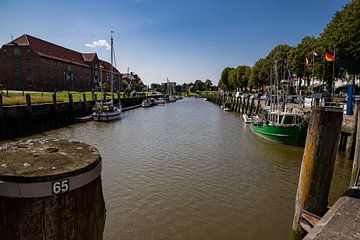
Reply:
x=25, y=120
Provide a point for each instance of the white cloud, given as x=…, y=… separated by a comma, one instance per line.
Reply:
x=99, y=43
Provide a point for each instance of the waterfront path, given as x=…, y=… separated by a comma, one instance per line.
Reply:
x=342, y=221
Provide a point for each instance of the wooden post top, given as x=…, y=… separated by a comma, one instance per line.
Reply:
x=46, y=159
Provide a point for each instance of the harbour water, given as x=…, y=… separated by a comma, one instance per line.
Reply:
x=189, y=170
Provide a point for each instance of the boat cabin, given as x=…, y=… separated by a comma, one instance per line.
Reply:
x=284, y=118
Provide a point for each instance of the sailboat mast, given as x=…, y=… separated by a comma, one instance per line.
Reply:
x=112, y=61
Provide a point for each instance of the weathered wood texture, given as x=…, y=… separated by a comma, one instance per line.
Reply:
x=77, y=214
x=317, y=164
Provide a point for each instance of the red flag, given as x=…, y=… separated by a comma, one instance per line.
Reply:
x=329, y=57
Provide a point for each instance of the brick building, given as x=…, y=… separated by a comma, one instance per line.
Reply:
x=32, y=64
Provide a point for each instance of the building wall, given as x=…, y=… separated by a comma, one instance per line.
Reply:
x=23, y=69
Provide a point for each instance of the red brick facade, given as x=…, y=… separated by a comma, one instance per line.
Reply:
x=31, y=64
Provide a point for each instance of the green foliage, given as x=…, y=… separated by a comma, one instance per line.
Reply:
x=199, y=85
x=260, y=73
x=343, y=32
x=224, y=82
x=298, y=54
x=208, y=83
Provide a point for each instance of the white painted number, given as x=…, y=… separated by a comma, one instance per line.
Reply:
x=60, y=186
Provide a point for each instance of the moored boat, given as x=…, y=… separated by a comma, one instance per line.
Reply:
x=106, y=111
x=227, y=107
x=146, y=103
x=282, y=127
x=247, y=118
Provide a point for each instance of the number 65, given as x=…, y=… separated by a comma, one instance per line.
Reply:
x=60, y=186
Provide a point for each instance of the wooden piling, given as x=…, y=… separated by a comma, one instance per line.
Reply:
x=30, y=113
x=258, y=107
x=317, y=166
x=247, y=104
x=239, y=106
x=71, y=107
x=55, y=111
x=355, y=178
x=51, y=189
x=251, y=106
x=84, y=105
x=2, y=119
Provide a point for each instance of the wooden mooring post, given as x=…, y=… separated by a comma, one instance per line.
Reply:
x=355, y=175
x=51, y=189
x=30, y=112
x=317, y=167
x=2, y=119
x=55, y=110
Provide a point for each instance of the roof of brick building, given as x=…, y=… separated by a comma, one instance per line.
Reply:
x=56, y=52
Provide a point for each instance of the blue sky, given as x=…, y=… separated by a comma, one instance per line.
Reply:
x=182, y=40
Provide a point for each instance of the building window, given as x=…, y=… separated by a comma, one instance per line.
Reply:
x=28, y=50
x=4, y=50
x=16, y=51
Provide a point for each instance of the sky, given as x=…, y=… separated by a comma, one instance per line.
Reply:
x=182, y=40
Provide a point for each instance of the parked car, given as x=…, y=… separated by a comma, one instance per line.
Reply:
x=238, y=94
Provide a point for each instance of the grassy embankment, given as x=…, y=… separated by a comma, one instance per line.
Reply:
x=17, y=98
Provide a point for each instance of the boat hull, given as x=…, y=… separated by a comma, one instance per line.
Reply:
x=292, y=135
x=107, y=116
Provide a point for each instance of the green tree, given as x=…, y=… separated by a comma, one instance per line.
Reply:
x=199, y=85
x=343, y=33
x=260, y=74
x=224, y=83
x=298, y=54
x=208, y=84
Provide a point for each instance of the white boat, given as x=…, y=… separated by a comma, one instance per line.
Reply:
x=227, y=107
x=106, y=111
x=146, y=103
x=161, y=101
x=247, y=118
x=172, y=98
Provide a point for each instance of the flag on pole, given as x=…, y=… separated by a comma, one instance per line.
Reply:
x=329, y=57
x=315, y=54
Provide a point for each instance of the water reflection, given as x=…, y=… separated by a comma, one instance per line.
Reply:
x=189, y=170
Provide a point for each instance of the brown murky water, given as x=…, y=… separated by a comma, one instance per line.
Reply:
x=189, y=170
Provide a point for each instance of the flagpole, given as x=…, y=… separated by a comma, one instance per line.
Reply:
x=313, y=70
x=333, y=77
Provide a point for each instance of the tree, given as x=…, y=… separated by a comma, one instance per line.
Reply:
x=343, y=33
x=298, y=54
x=208, y=84
x=224, y=79
x=199, y=85
x=260, y=73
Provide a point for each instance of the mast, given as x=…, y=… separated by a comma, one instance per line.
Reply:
x=112, y=61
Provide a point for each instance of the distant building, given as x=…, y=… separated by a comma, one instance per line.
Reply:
x=30, y=63
x=131, y=79
x=170, y=87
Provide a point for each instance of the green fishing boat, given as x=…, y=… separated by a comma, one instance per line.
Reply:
x=282, y=127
